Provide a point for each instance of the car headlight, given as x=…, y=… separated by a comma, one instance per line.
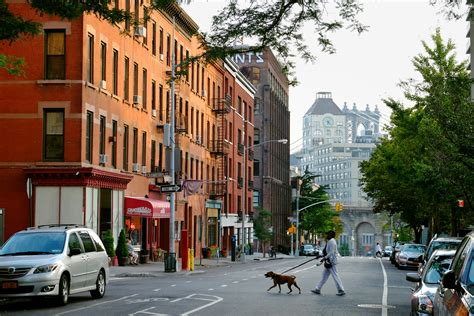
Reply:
x=46, y=268
x=425, y=304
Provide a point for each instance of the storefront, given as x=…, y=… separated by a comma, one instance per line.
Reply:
x=146, y=222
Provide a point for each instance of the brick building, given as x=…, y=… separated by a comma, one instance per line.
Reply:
x=86, y=129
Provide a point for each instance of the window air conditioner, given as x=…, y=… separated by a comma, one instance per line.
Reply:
x=103, y=158
x=135, y=167
x=162, y=56
x=103, y=84
x=137, y=99
x=191, y=137
x=153, y=112
x=144, y=169
x=198, y=139
x=203, y=93
x=140, y=31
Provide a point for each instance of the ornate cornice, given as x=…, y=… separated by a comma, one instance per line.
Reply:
x=77, y=176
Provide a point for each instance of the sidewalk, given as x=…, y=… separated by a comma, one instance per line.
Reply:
x=155, y=269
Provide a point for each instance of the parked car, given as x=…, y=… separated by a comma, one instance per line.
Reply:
x=439, y=243
x=395, y=251
x=455, y=293
x=387, y=251
x=307, y=250
x=427, y=282
x=318, y=252
x=410, y=256
x=53, y=260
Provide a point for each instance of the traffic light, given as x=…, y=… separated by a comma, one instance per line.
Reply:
x=339, y=206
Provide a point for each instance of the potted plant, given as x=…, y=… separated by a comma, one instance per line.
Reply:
x=122, y=250
x=108, y=241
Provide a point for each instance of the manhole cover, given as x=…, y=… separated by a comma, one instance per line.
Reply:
x=375, y=306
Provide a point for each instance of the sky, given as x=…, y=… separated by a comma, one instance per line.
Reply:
x=366, y=68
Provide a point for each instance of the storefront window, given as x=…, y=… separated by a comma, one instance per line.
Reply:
x=133, y=227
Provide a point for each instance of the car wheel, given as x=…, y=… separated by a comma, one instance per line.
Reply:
x=99, y=291
x=63, y=295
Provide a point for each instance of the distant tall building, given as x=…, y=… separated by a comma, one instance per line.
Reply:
x=271, y=186
x=335, y=142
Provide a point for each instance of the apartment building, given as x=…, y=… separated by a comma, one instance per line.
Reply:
x=86, y=130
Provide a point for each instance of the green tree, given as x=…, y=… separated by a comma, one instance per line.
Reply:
x=321, y=217
x=274, y=24
x=122, y=250
x=261, y=227
x=427, y=162
x=108, y=241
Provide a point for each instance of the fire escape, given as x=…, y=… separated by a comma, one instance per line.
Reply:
x=220, y=148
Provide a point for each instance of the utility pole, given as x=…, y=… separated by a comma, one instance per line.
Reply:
x=172, y=252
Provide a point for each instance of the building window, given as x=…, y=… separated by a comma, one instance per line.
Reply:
x=115, y=73
x=102, y=135
x=160, y=44
x=90, y=58
x=127, y=20
x=144, y=88
x=168, y=50
x=89, y=133
x=55, y=54
x=256, y=168
x=144, y=149
x=103, y=61
x=256, y=198
x=153, y=156
x=239, y=105
x=125, y=147
x=153, y=95
x=53, y=137
x=135, y=79
x=160, y=102
x=135, y=146
x=126, y=81
x=153, y=38
x=114, y=144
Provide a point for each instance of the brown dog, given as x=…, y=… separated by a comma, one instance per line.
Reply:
x=279, y=279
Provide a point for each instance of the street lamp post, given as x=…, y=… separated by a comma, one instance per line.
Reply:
x=244, y=187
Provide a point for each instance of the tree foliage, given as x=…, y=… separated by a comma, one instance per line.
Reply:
x=426, y=164
x=261, y=226
x=321, y=217
x=275, y=24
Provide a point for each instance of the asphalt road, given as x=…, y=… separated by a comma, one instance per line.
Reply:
x=373, y=287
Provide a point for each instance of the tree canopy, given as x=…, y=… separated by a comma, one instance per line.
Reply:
x=321, y=217
x=426, y=164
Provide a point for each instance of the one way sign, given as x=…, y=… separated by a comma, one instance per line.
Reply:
x=170, y=188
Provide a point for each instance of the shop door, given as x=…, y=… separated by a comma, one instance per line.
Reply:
x=105, y=217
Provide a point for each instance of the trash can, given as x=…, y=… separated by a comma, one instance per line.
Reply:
x=170, y=262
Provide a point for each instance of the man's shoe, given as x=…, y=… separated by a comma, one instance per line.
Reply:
x=316, y=291
x=341, y=293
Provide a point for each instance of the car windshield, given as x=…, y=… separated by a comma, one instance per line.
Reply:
x=470, y=276
x=414, y=248
x=388, y=247
x=448, y=245
x=438, y=266
x=36, y=243
x=308, y=247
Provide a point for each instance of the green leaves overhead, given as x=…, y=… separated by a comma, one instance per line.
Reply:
x=426, y=164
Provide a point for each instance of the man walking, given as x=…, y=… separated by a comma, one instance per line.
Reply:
x=330, y=254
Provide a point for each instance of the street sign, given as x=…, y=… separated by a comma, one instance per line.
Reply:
x=170, y=188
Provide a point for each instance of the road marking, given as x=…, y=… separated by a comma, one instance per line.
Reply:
x=156, y=290
x=224, y=285
x=97, y=304
x=400, y=287
x=385, y=290
x=212, y=302
x=188, y=281
x=146, y=311
x=245, y=279
x=173, y=285
x=210, y=289
x=235, y=282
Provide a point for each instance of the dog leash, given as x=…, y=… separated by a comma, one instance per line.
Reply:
x=302, y=264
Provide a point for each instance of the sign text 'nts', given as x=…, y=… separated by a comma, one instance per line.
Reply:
x=249, y=57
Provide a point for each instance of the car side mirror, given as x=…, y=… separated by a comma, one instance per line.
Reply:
x=448, y=281
x=74, y=252
x=413, y=277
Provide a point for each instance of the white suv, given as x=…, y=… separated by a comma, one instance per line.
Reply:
x=53, y=260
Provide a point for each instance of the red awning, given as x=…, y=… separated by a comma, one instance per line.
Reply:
x=150, y=208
